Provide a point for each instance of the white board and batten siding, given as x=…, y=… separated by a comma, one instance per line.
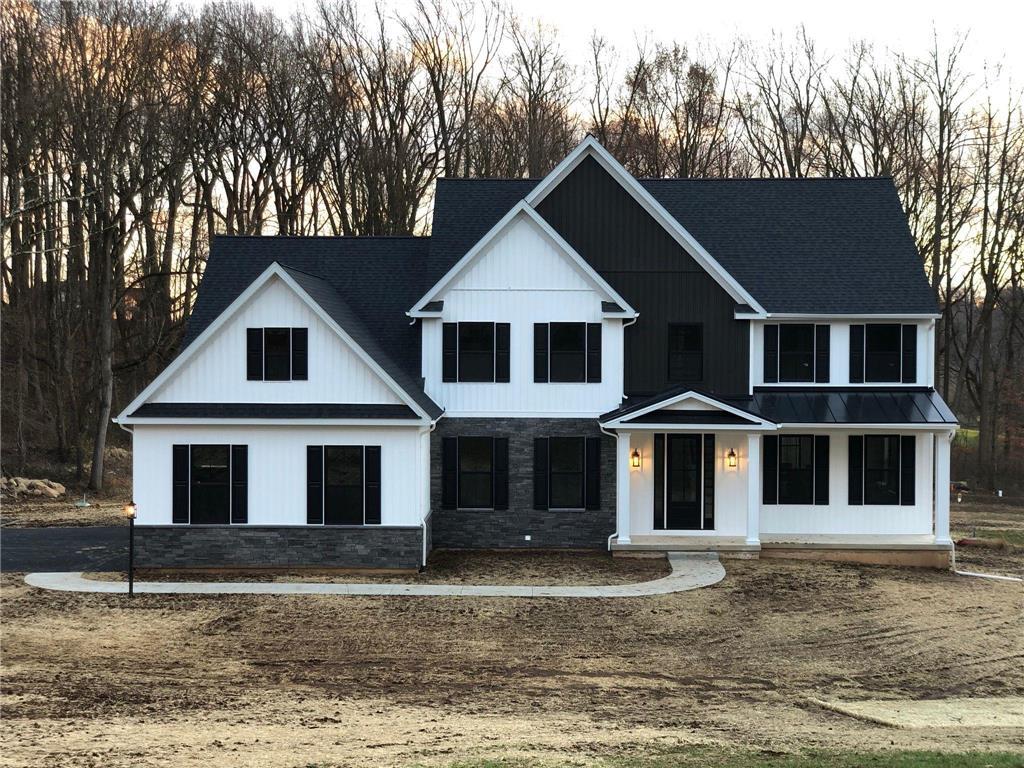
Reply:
x=839, y=517
x=277, y=468
x=523, y=278
x=839, y=352
x=216, y=373
x=730, y=488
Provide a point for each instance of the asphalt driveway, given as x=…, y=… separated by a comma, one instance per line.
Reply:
x=64, y=549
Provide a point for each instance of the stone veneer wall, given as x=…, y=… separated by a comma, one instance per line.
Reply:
x=245, y=546
x=457, y=529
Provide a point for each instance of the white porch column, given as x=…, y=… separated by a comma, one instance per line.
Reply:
x=753, y=488
x=622, y=487
x=942, y=444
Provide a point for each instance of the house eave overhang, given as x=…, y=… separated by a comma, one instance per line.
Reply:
x=626, y=420
x=864, y=316
x=187, y=421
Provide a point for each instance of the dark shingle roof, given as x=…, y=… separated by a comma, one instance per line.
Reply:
x=273, y=411
x=365, y=284
x=831, y=246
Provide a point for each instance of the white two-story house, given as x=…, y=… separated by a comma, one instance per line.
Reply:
x=587, y=360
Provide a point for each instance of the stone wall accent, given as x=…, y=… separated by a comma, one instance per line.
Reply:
x=253, y=546
x=458, y=529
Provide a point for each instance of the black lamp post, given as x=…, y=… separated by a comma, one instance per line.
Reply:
x=131, y=509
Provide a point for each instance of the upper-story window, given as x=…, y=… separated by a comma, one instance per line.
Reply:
x=883, y=353
x=796, y=353
x=567, y=352
x=277, y=354
x=685, y=352
x=475, y=352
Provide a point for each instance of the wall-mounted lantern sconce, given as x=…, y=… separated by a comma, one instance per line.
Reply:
x=730, y=459
x=635, y=459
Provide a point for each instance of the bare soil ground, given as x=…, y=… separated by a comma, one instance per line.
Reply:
x=997, y=527
x=232, y=681
x=33, y=512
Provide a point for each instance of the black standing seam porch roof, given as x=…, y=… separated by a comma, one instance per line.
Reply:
x=915, y=406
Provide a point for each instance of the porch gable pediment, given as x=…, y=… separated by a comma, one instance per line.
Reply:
x=687, y=409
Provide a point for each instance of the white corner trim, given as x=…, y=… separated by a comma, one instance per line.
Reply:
x=523, y=209
x=592, y=147
x=690, y=395
x=274, y=270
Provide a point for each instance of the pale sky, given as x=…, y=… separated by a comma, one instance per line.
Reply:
x=995, y=27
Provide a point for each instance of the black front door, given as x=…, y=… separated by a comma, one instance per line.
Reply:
x=682, y=483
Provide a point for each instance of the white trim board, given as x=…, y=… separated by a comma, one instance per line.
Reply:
x=591, y=147
x=523, y=209
x=255, y=421
x=272, y=271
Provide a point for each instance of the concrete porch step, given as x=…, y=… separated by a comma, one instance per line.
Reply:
x=685, y=544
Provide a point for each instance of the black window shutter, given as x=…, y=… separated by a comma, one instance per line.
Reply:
x=771, y=353
x=179, y=493
x=909, y=354
x=709, y=481
x=856, y=468
x=371, y=481
x=593, y=355
x=821, y=469
x=592, y=479
x=908, y=459
x=450, y=352
x=822, y=342
x=500, y=474
x=659, y=481
x=314, y=484
x=540, y=473
x=254, y=354
x=770, y=469
x=449, y=473
x=540, y=352
x=857, y=355
x=300, y=354
x=502, y=343
x=239, y=483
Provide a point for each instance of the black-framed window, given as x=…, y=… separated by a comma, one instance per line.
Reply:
x=277, y=354
x=474, y=472
x=566, y=461
x=883, y=353
x=343, y=484
x=796, y=353
x=567, y=352
x=475, y=352
x=209, y=484
x=685, y=352
x=882, y=469
x=795, y=469
x=567, y=473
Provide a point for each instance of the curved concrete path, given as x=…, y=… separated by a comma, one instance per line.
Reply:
x=690, y=570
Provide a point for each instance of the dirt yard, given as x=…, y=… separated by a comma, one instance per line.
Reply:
x=33, y=512
x=752, y=664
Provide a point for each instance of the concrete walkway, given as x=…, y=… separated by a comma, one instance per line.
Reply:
x=690, y=570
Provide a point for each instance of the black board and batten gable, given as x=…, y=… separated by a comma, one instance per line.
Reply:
x=644, y=263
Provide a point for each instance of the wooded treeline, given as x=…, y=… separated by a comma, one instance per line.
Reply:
x=132, y=131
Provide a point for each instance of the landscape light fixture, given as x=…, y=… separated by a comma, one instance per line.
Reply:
x=131, y=509
x=730, y=459
x=635, y=459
